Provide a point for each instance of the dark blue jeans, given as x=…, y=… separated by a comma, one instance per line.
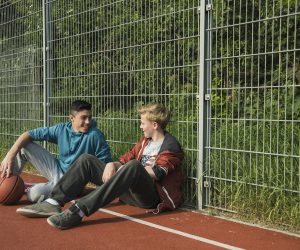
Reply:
x=131, y=183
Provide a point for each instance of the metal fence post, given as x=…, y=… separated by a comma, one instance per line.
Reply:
x=47, y=62
x=203, y=98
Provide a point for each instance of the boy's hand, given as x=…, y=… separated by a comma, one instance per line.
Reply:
x=151, y=172
x=6, y=166
x=109, y=171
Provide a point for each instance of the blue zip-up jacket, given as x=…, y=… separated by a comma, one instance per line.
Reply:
x=72, y=144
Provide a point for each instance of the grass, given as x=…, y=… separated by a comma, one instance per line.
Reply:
x=258, y=179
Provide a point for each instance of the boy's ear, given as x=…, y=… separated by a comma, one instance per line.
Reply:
x=155, y=125
x=71, y=117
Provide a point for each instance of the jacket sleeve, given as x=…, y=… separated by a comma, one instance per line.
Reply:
x=49, y=134
x=168, y=161
x=102, y=149
x=131, y=153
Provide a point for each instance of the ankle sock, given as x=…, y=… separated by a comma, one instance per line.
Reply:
x=81, y=214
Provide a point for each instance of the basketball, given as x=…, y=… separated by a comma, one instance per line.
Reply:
x=11, y=189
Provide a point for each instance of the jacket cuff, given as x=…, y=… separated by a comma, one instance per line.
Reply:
x=159, y=172
x=122, y=162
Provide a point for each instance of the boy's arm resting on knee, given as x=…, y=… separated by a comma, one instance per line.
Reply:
x=7, y=163
x=117, y=165
x=110, y=169
x=21, y=142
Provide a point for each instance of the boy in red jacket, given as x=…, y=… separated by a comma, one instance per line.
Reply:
x=147, y=176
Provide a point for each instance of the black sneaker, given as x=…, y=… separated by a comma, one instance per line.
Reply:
x=39, y=210
x=66, y=219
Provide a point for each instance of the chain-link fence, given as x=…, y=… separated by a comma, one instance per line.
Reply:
x=120, y=54
x=253, y=153
x=228, y=70
x=21, y=69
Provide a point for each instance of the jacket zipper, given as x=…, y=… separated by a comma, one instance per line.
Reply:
x=142, y=149
x=166, y=192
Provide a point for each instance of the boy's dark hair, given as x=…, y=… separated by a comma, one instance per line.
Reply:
x=79, y=105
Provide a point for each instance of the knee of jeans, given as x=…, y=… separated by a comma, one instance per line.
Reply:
x=86, y=157
x=37, y=191
x=134, y=165
x=134, y=162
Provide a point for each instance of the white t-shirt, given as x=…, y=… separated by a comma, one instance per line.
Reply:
x=150, y=153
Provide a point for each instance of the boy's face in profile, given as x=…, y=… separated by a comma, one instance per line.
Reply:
x=81, y=121
x=147, y=126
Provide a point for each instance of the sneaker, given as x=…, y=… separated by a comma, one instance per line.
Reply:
x=39, y=210
x=66, y=219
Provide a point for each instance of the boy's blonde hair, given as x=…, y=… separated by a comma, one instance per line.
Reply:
x=156, y=113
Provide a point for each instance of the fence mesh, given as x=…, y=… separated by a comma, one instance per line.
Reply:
x=253, y=161
x=121, y=54
x=21, y=88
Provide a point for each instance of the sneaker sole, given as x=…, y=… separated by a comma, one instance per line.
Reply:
x=34, y=214
x=53, y=225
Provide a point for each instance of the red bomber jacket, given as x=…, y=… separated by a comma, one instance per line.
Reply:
x=169, y=158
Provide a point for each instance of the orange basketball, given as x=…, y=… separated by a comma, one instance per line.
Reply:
x=11, y=189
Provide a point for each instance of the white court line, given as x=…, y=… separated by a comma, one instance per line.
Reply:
x=170, y=230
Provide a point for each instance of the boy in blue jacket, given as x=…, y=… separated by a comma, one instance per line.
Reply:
x=74, y=138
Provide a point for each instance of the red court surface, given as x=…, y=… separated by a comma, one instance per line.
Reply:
x=107, y=230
